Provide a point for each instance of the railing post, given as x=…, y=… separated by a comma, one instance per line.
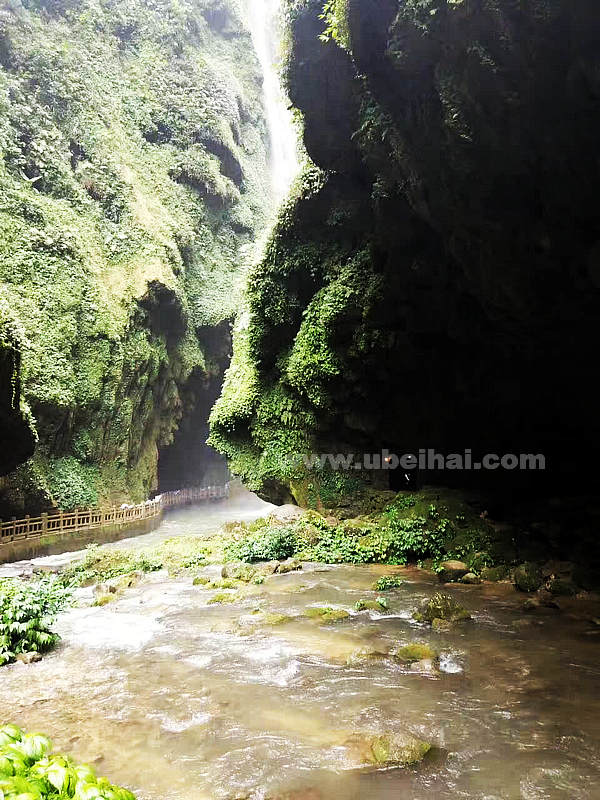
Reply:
x=27, y=525
x=44, y=522
x=14, y=528
x=60, y=520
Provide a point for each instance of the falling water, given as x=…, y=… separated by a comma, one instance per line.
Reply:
x=264, y=23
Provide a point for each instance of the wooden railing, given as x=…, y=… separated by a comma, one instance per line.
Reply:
x=73, y=521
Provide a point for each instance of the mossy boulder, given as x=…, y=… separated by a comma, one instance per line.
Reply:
x=470, y=579
x=495, y=574
x=452, y=571
x=562, y=587
x=291, y=565
x=411, y=653
x=326, y=615
x=528, y=577
x=386, y=750
x=443, y=607
x=379, y=604
x=222, y=598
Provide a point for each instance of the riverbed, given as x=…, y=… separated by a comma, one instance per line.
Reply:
x=175, y=697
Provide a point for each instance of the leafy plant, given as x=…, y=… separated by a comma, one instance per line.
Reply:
x=28, y=771
x=27, y=612
x=266, y=544
x=387, y=582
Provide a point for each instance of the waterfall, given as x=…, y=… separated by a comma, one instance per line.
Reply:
x=264, y=24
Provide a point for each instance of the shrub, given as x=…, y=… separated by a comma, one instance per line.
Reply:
x=30, y=772
x=27, y=612
x=266, y=544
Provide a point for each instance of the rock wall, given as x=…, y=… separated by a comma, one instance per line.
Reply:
x=132, y=182
x=434, y=280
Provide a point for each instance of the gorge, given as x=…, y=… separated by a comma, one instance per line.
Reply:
x=284, y=244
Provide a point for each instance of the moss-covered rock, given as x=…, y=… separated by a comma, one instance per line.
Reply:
x=528, y=577
x=441, y=606
x=386, y=749
x=326, y=615
x=412, y=653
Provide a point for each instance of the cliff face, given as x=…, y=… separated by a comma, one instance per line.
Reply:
x=132, y=178
x=434, y=282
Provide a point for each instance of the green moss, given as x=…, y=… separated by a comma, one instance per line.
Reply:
x=121, y=225
x=326, y=615
x=411, y=653
x=222, y=599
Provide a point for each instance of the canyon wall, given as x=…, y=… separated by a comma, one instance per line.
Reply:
x=434, y=278
x=133, y=181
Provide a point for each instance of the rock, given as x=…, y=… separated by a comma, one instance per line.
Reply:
x=326, y=615
x=201, y=580
x=48, y=569
x=386, y=750
x=287, y=513
x=379, y=605
x=547, y=599
x=426, y=667
x=269, y=618
x=29, y=658
x=562, y=587
x=413, y=653
x=239, y=571
x=528, y=577
x=531, y=604
x=222, y=598
x=291, y=565
x=470, y=578
x=441, y=606
x=441, y=625
x=452, y=571
x=494, y=574
x=268, y=568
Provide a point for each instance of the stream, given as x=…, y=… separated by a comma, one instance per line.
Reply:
x=176, y=698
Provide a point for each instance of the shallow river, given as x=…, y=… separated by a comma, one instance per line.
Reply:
x=176, y=698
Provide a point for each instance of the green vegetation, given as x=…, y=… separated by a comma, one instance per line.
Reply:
x=388, y=582
x=132, y=169
x=265, y=545
x=398, y=533
x=27, y=612
x=29, y=771
x=101, y=564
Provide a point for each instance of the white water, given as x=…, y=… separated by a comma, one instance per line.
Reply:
x=264, y=24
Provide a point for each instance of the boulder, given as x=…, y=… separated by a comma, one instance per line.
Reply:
x=385, y=750
x=379, y=605
x=452, y=571
x=441, y=625
x=494, y=573
x=291, y=565
x=239, y=571
x=471, y=579
x=443, y=607
x=528, y=577
x=562, y=587
x=326, y=615
x=414, y=653
x=29, y=658
x=425, y=667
